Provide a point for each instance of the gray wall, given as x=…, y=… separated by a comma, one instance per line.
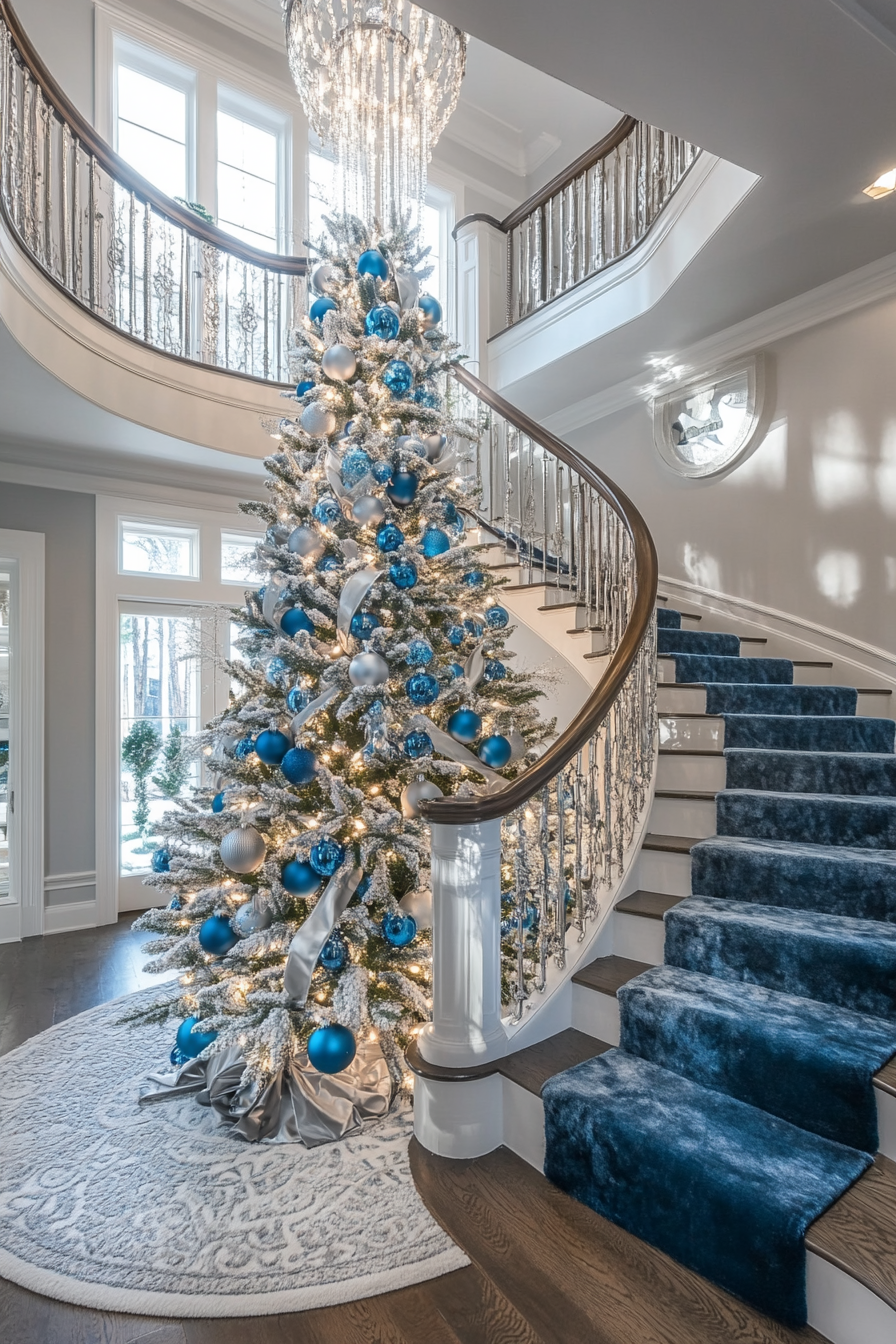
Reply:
x=68, y=521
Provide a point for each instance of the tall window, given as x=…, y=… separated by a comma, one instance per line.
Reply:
x=252, y=158
x=154, y=102
x=321, y=185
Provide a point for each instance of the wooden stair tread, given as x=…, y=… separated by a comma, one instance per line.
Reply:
x=649, y=904
x=542, y=583
x=532, y=1067
x=607, y=974
x=691, y=751
x=555, y=606
x=858, y=1233
x=808, y=662
x=885, y=1078
x=603, y=653
x=675, y=844
x=697, y=795
x=686, y=713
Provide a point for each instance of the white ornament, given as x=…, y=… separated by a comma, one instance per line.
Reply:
x=305, y=541
x=339, y=362
x=368, y=669
x=415, y=793
x=317, y=421
x=368, y=509
x=249, y=920
x=324, y=279
x=434, y=444
x=242, y=850
x=418, y=904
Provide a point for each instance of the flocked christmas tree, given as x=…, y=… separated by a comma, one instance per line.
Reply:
x=373, y=675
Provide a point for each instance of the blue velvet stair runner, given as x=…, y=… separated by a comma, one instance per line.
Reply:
x=740, y=1103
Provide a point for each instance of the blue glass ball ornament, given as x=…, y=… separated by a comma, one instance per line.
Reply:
x=363, y=624
x=299, y=878
x=297, y=698
x=422, y=688
x=382, y=322
x=389, y=537
x=355, y=465
x=465, y=725
x=326, y=856
x=403, y=488
x=303, y=387
x=473, y=626
x=327, y=511
x=416, y=745
x=399, y=929
x=271, y=746
x=431, y=310
x=178, y=1058
x=494, y=670
x=434, y=542
x=192, y=1043
x=363, y=886
x=474, y=578
x=403, y=573
x=218, y=802
x=327, y=564
x=419, y=652
x=319, y=309
x=497, y=617
x=299, y=765
x=454, y=634
x=373, y=263
x=216, y=936
x=295, y=620
x=458, y=526
x=244, y=747
x=334, y=953
x=381, y=472
x=456, y=670
x=398, y=377
x=495, y=751
x=274, y=671
x=161, y=861
x=332, y=1048
x=449, y=511
x=425, y=396
x=530, y=918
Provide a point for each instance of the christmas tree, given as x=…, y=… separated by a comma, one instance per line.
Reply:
x=373, y=674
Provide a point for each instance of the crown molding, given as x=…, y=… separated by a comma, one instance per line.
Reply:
x=267, y=28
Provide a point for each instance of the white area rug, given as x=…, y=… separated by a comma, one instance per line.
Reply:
x=159, y=1210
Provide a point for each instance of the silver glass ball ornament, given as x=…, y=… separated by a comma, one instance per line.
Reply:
x=409, y=443
x=324, y=278
x=418, y=904
x=368, y=509
x=248, y=920
x=305, y=541
x=242, y=850
x=415, y=793
x=435, y=445
x=317, y=421
x=339, y=362
x=368, y=669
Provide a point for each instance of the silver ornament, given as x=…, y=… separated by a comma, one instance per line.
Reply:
x=305, y=541
x=418, y=904
x=249, y=920
x=408, y=287
x=324, y=279
x=242, y=850
x=368, y=509
x=368, y=669
x=434, y=445
x=317, y=420
x=394, y=306
x=415, y=793
x=339, y=362
x=409, y=443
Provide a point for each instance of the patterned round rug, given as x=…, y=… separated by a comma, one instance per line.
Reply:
x=160, y=1210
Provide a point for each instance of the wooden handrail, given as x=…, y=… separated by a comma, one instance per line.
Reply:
x=124, y=174
x=488, y=807
x=591, y=156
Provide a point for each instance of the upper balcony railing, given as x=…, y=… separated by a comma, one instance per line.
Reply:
x=153, y=269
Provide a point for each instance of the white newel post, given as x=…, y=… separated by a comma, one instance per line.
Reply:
x=481, y=287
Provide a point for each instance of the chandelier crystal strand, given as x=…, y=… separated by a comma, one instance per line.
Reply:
x=378, y=80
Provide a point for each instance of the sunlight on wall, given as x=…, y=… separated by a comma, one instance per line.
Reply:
x=701, y=569
x=767, y=465
x=890, y=572
x=886, y=471
x=839, y=577
x=840, y=470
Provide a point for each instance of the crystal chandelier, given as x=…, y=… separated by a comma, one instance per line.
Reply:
x=378, y=80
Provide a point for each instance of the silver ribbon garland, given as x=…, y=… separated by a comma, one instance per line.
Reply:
x=347, y=498
x=275, y=597
x=446, y=746
x=308, y=943
x=354, y=591
x=474, y=668
x=305, y=714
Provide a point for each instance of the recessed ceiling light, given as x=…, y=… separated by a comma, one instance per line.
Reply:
x=883, y=186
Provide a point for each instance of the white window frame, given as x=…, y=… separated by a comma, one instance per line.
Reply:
x=161, y=527
x=267, y=117
x=232, y=532
x=158, y=65
x=443, y=199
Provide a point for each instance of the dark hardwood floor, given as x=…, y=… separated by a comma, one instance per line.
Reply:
x=545, y=1270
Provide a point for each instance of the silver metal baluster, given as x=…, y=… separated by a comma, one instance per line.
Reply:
x=560, y=946
x=147, y=271
x=77, y=232
x=65, y=227
x=227, y=310
x=545, y=912
x=266, y=319
x=578, y=815
x=132, y=263
x=188, y=295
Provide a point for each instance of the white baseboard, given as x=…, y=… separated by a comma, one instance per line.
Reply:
x=73, y=915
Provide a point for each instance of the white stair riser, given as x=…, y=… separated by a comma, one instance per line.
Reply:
x=844, y=1310
x=875, y=706
x=658, y=870
x=672, y=699
x=683, y=816
x=691, y=734
x=684, y=771
x=638, y=938
x=595, y=1014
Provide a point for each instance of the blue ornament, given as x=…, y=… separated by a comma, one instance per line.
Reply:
x=422, y=688
x=431, y=310
x=297, y=699
x=303, y=387
x=454, y=634
x=389, y=537
x=399, y=930
x=216, y=935
x=373, y=263
x=326, y=856
x=530, y=918
x=218, y=802
x=161, y=861
x=416, y=745
x=458, y=526
x=495, y=751
x=363, y=886
x=434, y=542
x=299, y=878
x=403, y=488
x=299, y=765
x=456, y=670
x=327, y=564
x=465, y=725
x=419, y=652
x=178, y=1058
x=191, y=1043
x=327, y=511
x=275, y=671
x=382, y=322
x=398, y=376
x=334, y=953
x=473, y=625
x=363, y=624
x=331, y=1049
x=319, y=309
x=497, y=617
x=494, y=670
x=450, y=511
x=355, y=465
x=381, y=472
x=175, y=903
x=474, y=578
x=425, y=396
x=403, y=573
x=244, y=747
x=271, y=746
x=295, y=620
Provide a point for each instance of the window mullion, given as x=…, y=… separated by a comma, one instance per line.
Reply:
x=206, y=142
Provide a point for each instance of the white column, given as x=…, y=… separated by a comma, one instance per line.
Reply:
x=466, y=904
x=481, y=287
